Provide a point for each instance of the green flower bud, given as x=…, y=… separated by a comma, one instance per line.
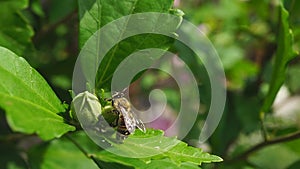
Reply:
x=87, y=108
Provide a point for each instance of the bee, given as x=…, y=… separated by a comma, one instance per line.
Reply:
x=126, y=122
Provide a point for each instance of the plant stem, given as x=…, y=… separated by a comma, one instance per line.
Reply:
x=266, y=143
x=263, y=128
x=83, y=150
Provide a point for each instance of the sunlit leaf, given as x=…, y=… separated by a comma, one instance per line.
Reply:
x=154, y=145
x=115, y=160
x=31, y=105
x=94, y=14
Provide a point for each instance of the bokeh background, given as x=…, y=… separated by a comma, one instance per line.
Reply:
x=244, y=33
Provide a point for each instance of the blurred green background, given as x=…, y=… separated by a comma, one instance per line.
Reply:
x=244, y=33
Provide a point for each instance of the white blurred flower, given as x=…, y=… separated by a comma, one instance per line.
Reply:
x=286, y=106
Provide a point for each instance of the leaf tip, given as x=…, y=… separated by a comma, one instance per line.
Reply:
x=217, y=158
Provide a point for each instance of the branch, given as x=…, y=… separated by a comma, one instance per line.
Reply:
x=48, y=28
x=266, y=143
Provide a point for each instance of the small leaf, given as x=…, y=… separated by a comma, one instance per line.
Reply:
x=153, y=145
x=167, y=163
x=108, y=159
x=31, y=105
x=284, y=54
x=15, y=32
x=184, y=153
x=144, y=164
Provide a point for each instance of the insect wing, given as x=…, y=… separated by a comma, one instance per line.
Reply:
x=129, y=120
x=141, y=125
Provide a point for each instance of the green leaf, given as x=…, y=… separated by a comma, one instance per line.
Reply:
x=15, y=32
x=91, y=149
x=36, y=7
x=276, y=157
x=188, y=166
x=59, y=154
x=184, y=153
x=108, y=159
x=94, y=14
x=154, y=145
x=167, y=163
x=31, y=105
x=152, y=142
x=284, y=54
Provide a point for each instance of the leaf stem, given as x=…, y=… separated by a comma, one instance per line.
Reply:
x=83, y=150
x=264, y=144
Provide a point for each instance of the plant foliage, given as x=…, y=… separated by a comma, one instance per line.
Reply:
x=258, y=43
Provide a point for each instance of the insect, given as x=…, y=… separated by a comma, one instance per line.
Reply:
x=126, y=122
